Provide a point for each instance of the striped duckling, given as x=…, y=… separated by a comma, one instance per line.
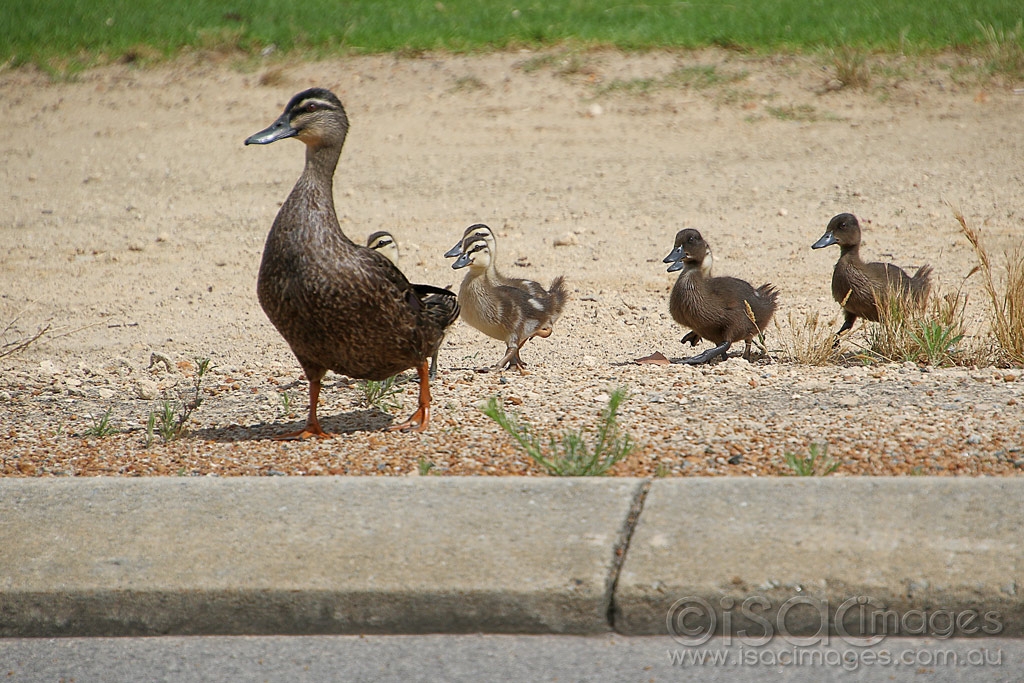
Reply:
x=509, y=309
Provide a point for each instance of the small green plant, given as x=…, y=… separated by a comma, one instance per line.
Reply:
x=794, y=112
x=424, y=466
x=170, y=421
x=910, y=330
x=935, y=341
x=570, y=455
x=382, y=395
x=697, y=77
x=286, y=403
x=102, y=427
x=167, y=424
x=816, y=463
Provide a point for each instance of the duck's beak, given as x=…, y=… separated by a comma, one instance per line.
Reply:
x=454, y=251
x=278, y=130
x=463, y=260
x=675, y=255
x=827, y=240
x=678, y=265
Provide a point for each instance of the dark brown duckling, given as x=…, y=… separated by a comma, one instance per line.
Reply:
x=860, y=287
x=339, y=305
x=502, y=307
x=713, y=307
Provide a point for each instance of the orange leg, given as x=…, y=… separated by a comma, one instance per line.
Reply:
x=312, y=427
x=419, y=420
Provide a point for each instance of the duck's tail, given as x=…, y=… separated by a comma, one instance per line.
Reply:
x=767, y=302
x=441, y=305
x=921, y=284
x=557, y=296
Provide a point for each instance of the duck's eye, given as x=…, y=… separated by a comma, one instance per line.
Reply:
x=311, y=107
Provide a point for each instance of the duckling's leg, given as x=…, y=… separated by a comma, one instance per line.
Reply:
x=512, y=360
x=847, y=324
x=722, y=349
x=433, y=363
x=312, y=427
x=419, y=420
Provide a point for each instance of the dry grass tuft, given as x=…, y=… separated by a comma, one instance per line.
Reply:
x=810, y=341
x=851, y=66
x=1008, y=299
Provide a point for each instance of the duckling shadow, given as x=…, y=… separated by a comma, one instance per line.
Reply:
x=371, y=420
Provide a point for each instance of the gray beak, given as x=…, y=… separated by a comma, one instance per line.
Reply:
x=278, y=130
x=828, y=239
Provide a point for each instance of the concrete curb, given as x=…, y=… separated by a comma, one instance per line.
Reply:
x=338, y=555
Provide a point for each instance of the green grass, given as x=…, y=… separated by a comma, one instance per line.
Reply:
x=570, y=455
x=74, y=32
x=816, y=463
x=102, y=427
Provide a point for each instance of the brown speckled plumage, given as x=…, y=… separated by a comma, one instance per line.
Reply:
x=509, y=309
x=340, y=306
x=859, y=287
x=714, y=308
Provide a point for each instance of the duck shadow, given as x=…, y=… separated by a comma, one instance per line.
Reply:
x=371, y=420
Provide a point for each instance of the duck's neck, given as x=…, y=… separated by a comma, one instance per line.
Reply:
x=314, y=191
x=850, y=252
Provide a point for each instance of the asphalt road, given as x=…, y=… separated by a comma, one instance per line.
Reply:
x=411, y=659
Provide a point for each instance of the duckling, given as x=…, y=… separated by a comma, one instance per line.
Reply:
x=339, y=305
x=383, y=242
x=480, y=230
x=861, y=287
x=502, y=307
x=713, y=307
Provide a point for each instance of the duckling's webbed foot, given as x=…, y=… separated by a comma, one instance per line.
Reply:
x=721, y=349
x=512, y=361
x=692, y=337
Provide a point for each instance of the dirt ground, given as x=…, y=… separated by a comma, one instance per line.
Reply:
x=134, y=218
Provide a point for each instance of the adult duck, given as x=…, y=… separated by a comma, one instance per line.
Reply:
x=339, y=305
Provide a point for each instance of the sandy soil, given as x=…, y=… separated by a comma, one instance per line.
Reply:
x=133, y=222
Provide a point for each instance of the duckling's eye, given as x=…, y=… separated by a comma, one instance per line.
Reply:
x=311, y=107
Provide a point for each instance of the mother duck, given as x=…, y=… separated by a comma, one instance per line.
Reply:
x=339, y=305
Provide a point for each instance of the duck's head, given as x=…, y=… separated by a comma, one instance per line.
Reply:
x=314, y=116
x=475, y=230
x=476, y=252
x=690, y=251
x=384, y=243
x=843, y=230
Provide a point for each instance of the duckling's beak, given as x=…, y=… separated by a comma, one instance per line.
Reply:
x=827, y=240
x=463, y=260
x=676, y=255
x=678, y=265
x=278, y=130
x=454, y=251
